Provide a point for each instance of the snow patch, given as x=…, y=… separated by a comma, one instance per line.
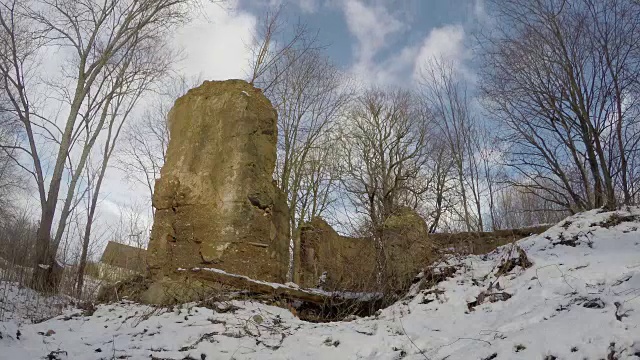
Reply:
x=580, y=298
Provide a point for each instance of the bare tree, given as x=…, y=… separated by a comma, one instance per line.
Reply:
x=614, y=34
x=133, y=227
x=101, y=36
x=309, y=93
x=560, y=76
x=385, y=144
x=144, y=147
x=517, y=207
x=445, y=94
x=490, y=154
x=439, y=200
x=143, y=69
x=309, y=98
x=11, y=180
x=275, y=39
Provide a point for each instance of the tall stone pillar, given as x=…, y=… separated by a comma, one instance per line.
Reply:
x=216, y=203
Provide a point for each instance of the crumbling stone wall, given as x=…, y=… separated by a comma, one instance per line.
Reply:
x=409, y=248
x=216, y=203
x=350, y=264
x=479, y=243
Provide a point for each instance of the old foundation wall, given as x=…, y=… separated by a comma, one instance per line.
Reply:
x=350, y=263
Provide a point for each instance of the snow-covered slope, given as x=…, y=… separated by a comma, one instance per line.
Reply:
x=578, y=300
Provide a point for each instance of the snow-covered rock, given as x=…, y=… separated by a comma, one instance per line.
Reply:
x=578, y=300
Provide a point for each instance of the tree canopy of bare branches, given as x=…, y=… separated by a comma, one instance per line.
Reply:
x=110, y=51
x=385, y=144
x=144, y=147
x=275, y=39
x=561, y=76
x=445, y=94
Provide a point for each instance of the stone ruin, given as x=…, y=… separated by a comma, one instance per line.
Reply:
x=335, y=262
x=216, y=203
x=221, y=222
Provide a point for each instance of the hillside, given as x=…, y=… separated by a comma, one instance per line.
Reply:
x=578, y=299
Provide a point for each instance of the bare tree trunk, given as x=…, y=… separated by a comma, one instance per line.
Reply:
x=133, y=24
x=309, y=93
x=557, y=74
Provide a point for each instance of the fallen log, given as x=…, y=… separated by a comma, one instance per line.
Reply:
x=182, y=286
x=255, y=286
x=309, y=304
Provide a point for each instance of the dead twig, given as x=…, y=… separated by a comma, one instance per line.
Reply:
x=411, y=340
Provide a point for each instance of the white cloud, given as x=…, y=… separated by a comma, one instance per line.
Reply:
x=215, y=44
x=446, y=43
x=371, y=25
x=394, y=70
x=308, y=6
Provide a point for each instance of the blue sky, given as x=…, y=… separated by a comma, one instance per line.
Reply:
x=402, y=23
x=379, y=42
x=383, y=40
x=417, y=19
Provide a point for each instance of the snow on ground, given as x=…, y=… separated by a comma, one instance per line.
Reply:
x=579, y=300
x=21, y=304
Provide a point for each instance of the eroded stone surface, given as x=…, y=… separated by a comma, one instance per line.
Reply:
x=337, y=262
x=325, y=258
x=216, y=204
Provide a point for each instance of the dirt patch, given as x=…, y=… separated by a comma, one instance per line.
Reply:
x=573, y=241
x=488, y=297
x=509, y=264
x=432, y=276
x=617, y=219
x=131, y=288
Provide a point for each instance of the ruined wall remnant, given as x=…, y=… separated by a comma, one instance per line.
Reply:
x=216, y=204
x=350, y=263
x=478, y=243
x=409, y=248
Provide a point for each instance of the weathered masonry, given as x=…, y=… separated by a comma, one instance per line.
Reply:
x=216, y=204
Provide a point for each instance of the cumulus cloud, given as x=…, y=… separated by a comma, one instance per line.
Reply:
x=393, y=70
x=214, y=44
x=371, y=25
x=443, y=43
